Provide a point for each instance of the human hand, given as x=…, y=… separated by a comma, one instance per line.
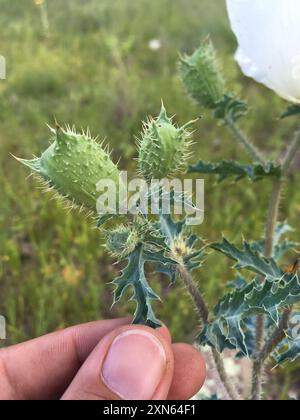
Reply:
x=102, y=360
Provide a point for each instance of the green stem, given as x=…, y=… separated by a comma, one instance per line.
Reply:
x=229, y=386
x=245, y=142
x=278, y=335
x=195, y=294
x=263, y=352
x=290, y=155
x=270, y=345
x=286, y=387
x=203, y=312
x=44, y=17
x=268, y=251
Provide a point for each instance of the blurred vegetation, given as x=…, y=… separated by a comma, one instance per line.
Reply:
x=93, y=67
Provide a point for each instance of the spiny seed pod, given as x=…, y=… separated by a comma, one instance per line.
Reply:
x=73, y=165
x=117, y=241
x=163, y=148
x=202, y=77
x=123, y=240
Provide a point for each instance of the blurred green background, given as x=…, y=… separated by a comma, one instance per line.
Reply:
x=92, y=66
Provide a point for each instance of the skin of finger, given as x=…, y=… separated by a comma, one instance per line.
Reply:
x=164, y=331
x=43, y=368
x=88, y=385
x=189, y=372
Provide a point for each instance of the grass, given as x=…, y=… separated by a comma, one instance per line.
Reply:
x=94, y=68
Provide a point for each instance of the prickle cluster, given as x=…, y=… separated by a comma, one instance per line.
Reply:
x=124, y=239
x=117, y=241
x=73, y=165
x=202, y=76
x=163, y=147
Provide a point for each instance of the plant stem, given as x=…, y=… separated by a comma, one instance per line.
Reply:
x=195, y=294
x=262, y=356
x=272, y=217
x=290, y=155
x=244, y=141
x=203, y=312
x=260, y=322
x=268, y=251
x=264, y=351
x=277, y=336
x=42, y=5
x=229, y=386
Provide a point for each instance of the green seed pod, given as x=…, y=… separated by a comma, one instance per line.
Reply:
x=202, y=77
x=123, y=240
x=117, y=241
x=73, y=165
x=163, y=147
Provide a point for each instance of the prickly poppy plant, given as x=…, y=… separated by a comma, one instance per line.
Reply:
x=255, y=318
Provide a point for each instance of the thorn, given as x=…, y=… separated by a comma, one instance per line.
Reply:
x=53, y=131
x=15, y=157
x=188, y=124
x=57, y=126
x=29, y=176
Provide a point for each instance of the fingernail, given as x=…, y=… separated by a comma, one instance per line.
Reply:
x=135, y=365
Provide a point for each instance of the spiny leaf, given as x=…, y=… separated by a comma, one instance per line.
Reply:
x=134, y=276
x=292, y=352
x=229, y=329
x=279, y=250
x=181, y=243
x=137, y=243
x=280, y=247
x=250, y=323
x=289, y=349
x=230, y=107
x=226, y=169
x=170, y=228
x=180, y=246
x=250, y=337
x=233, y=326
x=250, y=260
x=291, y=111
x=212, y=398
x=282, y=229
x=169, y=270
x=237, y=284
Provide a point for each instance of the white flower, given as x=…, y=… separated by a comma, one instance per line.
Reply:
x=268, y=32
x=155, y=44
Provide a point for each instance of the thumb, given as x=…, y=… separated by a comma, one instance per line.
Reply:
x=131, y=363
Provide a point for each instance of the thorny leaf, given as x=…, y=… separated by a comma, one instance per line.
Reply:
x=227, y=169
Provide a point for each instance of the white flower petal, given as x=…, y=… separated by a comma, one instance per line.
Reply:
x=268, y=32
x=155, y=44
